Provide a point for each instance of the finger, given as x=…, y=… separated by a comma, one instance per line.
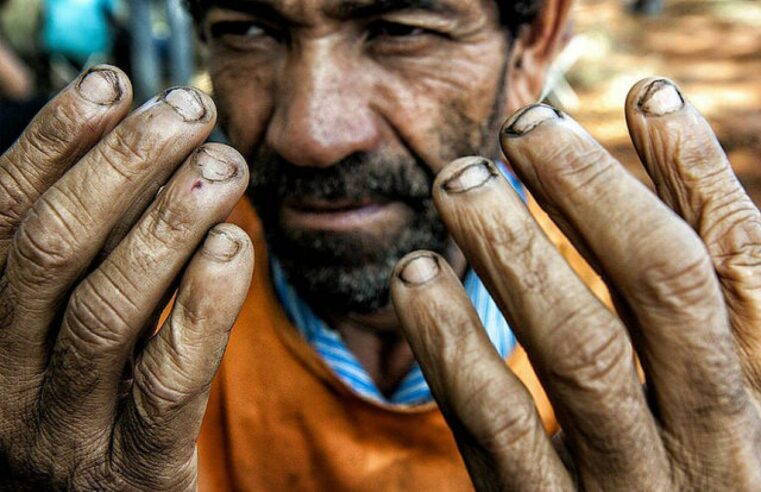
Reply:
x=58, y=136
x=69, y=224
x=580, y=350
x=490, y=412
x=109, y=310
x=162, y=419
x=654, y=262
x=692, y=174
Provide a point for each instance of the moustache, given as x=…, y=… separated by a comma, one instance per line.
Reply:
x=359, y=176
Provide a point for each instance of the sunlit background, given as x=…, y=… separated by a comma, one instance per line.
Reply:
x=712, y=48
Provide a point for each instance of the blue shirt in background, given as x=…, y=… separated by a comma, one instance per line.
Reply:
x=78, y=29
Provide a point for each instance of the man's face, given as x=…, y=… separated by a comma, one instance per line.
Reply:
x=346, y=110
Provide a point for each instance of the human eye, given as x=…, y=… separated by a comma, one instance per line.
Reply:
x=388, y=29
x=400, y=38
x=242, y=34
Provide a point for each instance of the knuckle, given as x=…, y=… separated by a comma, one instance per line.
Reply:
x=97, y=316
x=156, y=398
x=169, y=223
x=45, y=241
x=16, y=193
x=12, y=212
x=129, y=148
x=734, y=242
x=579, y=165
x=678, y=281
x=507, y=430
x=589, y=352
x=189, y=315
x=120, y=156
x=53, y=133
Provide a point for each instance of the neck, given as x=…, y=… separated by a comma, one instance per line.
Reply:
x=376, y=339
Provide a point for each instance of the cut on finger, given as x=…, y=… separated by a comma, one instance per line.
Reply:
x=109, y=311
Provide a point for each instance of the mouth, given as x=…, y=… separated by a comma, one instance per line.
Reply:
x=340, y=215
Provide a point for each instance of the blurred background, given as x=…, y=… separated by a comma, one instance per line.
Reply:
x=712, y=48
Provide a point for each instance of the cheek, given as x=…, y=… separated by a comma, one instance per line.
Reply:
x=441, y=103
x=243, y=92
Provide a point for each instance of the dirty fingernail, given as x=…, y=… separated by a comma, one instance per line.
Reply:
x=420, y=270
x=187, y=103
x=100, y=86
x=470, y=177
x=220, y=245
x=529, y=118
x=214, y=166
x=660, y=98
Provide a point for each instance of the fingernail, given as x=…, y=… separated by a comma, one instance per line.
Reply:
x=187, y=103
x=100, y=86
x=214, y=166
x=529, y=118
x=661, y=98
x=470, y=177
x=420, y=270
x=220, y=245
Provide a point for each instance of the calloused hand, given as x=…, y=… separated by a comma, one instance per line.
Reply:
x=684, y=270
x=88, y=252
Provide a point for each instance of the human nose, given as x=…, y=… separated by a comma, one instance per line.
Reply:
x=323, y=112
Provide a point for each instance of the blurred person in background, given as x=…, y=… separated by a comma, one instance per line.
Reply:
x=18, y=103
x=80, y=32
x=16, y=81
x=393, y=277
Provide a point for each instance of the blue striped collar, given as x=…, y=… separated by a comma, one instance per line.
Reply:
x=413, y=390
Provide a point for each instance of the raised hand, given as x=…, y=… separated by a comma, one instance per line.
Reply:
x=88, y=250
x=684, y=269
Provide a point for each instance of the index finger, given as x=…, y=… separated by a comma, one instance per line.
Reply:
x=65, y=129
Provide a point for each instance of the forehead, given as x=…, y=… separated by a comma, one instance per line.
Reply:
x=345, y=9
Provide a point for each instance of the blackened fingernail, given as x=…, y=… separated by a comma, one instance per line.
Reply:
x=187, y=102
x=529, y=118
x=100, y=86
x=220, y=245
x=660, y=98
x=214, y=166
x=420, y=269
x=470, y=177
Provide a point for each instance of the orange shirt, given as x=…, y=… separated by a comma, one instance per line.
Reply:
x=279, y=419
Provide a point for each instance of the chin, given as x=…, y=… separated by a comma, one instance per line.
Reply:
x=348, y=271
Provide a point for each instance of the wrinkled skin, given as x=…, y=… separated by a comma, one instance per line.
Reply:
x=90, y=247
x=88, y=251
x=683, y=269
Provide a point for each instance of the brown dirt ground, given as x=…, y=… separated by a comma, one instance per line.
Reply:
x=711, y=48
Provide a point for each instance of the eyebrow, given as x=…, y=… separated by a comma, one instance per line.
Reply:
x=259, y=7
x=339, y=9
x=348, y=9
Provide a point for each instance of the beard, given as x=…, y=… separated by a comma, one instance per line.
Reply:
x=347, y=272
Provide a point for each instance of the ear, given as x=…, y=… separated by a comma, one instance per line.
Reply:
x=532, y=53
